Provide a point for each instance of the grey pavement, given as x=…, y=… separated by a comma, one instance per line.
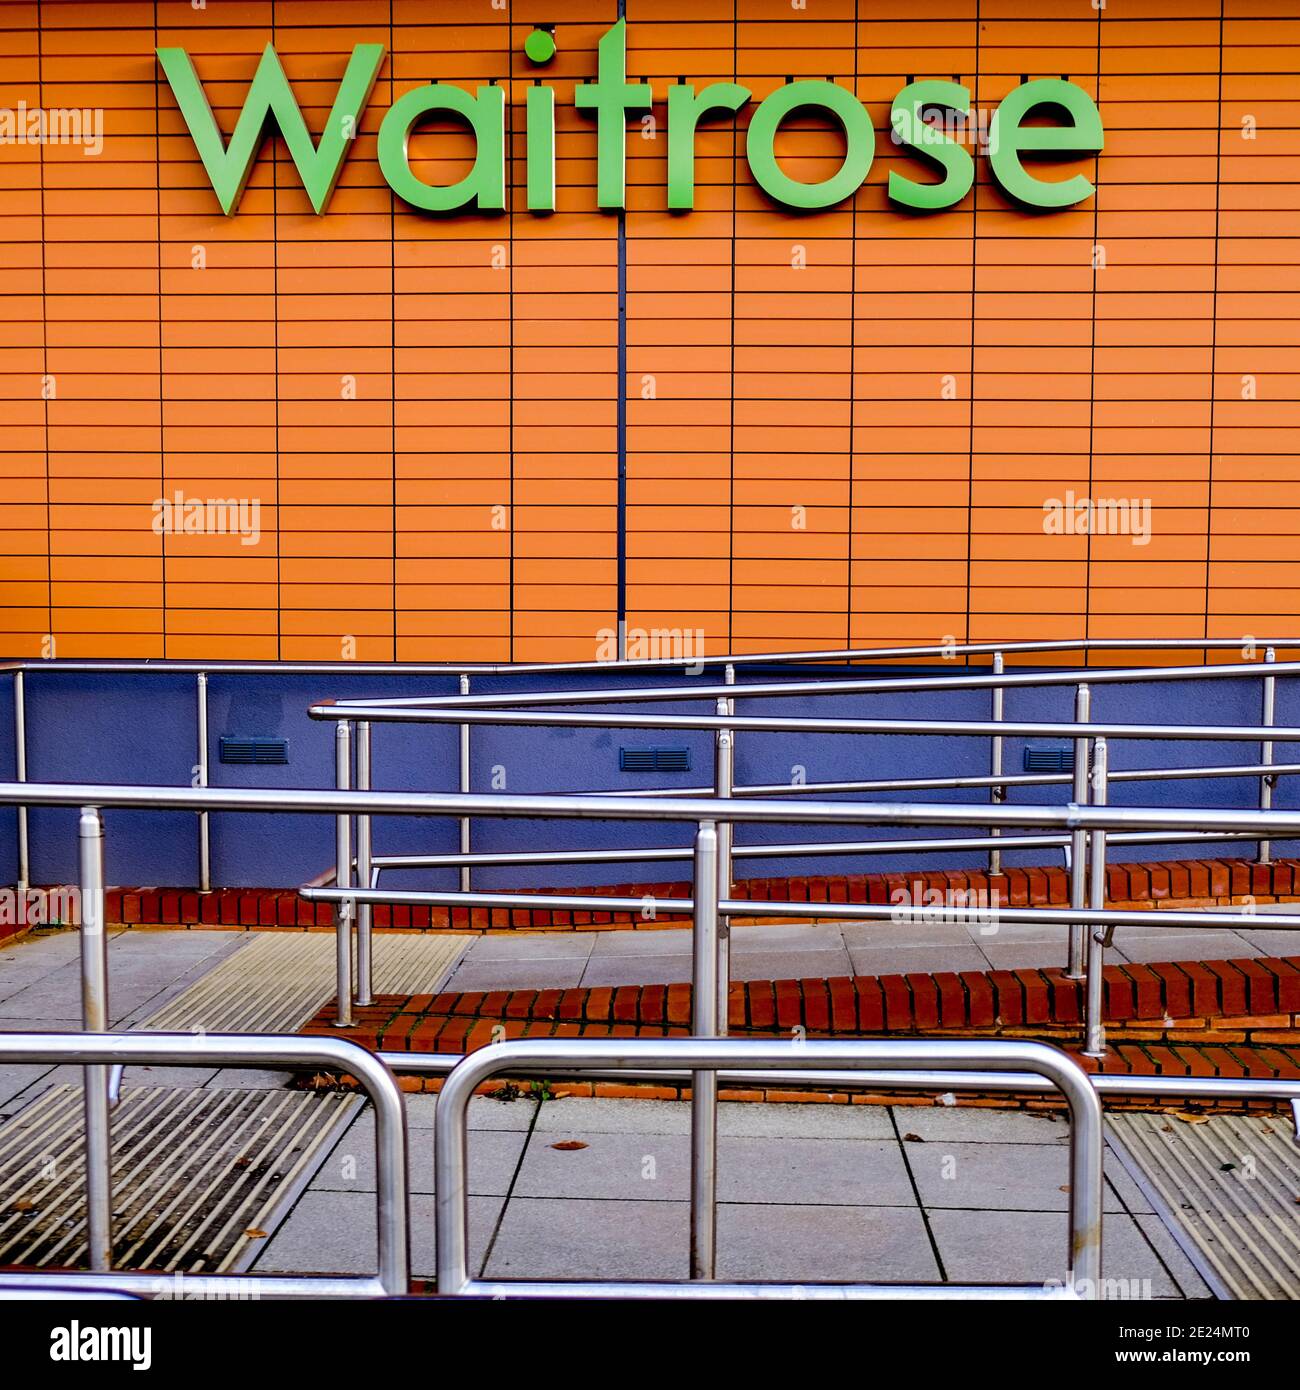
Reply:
x=807, y=1192
x=40, y=988
x=562, y=960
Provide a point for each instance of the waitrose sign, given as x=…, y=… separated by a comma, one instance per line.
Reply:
x=1045, y=117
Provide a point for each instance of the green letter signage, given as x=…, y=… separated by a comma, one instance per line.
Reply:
x=859, y=139
x=611, y=97
x=270, y=95
x=686, y=108
x=1074, y=129
x=1008, y=138
x=954, y=159
x=485, y=184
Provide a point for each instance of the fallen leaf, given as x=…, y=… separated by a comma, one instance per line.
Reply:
x=1064, y=1187
x=23, y=1204
x=1190, y=1119
x=913, y=1139
x=255, y=1233
x=567, y=1144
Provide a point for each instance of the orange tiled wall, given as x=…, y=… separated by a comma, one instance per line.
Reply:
x=841, y=428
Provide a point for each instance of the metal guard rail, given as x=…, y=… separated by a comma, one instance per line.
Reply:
x=946, y=651
x=992, y=1057
x=96, y=1051
x=1089, y=777
x=887, y=1065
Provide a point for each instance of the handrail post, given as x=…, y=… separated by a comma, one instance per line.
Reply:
x=998, y=793
x=94, y=1019
x=704, y=1084
x=724, y=782
x=365, y=969
x=464, y=786
x=343, y=876
x=20, y=769
x=1079, y=838
x=1269, y=779
x=205, y=844
x=1094, y=1029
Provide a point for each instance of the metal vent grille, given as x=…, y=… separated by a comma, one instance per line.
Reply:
x=654, y=759
x=201, y=1177
x=1049, y=759
x=249, y=751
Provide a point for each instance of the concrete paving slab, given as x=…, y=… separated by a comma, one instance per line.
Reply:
x=1121, y=1181
x=16, y=1079
x=334, y=1233
x=1033, y=955
x=583, y=1114
x=350, y=1166
x=662, y=941
x=790, y=965
x=984, y=1176
x=1274, y=943
x=1025, y=1247
x=661, y=969
x=184, y=1077
x=741, y=1119
x=35, y=1021
x=979, y=1125
x=1017, y=933
x=142, y=968
x=903, y=935
x=1194, y=945
x=551, y=1238
x=798, y=937
x=557, y=945
x=630, y=1167
x=484, y=1220
x=544, y=973
x=824, y=1244
x=485, y=1112
x=901, y=960
x=251, y=1078
x=814, y=1172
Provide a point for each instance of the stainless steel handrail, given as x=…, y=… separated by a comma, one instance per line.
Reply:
x=942, y=650
x=201, y=670
x=815, y=685
x=960, y=728
x=793, y=850
x=593, y=806
x=901, y=912
x=999, y=1062
x=705, y=812
x=392, y=1202
x=756, y=1062
x=725, y=723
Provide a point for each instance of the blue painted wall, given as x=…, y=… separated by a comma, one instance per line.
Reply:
x=141, y=728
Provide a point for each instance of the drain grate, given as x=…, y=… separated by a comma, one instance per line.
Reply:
x=1227, y=1187
x=278, y=981
x=200, y=1177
